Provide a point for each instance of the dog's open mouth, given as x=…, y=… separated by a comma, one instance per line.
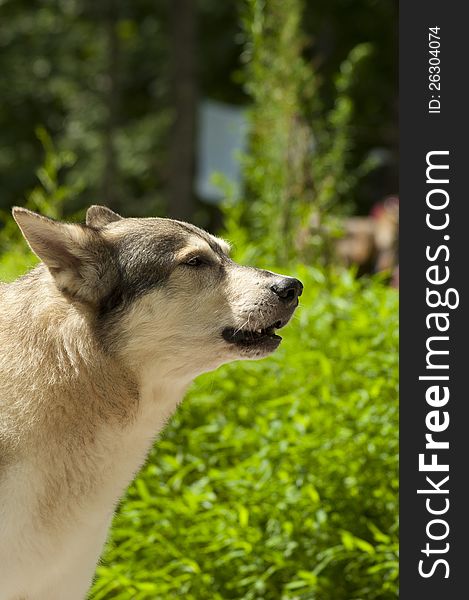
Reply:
x=253, y=337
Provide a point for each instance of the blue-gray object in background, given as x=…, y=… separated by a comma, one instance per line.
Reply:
x=222, y=138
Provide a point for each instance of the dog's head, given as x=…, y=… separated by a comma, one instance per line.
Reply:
x=162, y=292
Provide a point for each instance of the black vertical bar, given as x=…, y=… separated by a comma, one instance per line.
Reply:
x=446, y=131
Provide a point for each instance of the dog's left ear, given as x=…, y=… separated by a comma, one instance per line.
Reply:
x=98, y=216
x=74, y=254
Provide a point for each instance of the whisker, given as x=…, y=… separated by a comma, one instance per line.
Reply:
x=240, y=327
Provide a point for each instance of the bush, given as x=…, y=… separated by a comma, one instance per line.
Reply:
x=276, y=479
x=47, y=197
x=296, y=171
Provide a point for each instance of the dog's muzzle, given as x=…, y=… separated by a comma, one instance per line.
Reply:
x=263, y=336
x=288, y=289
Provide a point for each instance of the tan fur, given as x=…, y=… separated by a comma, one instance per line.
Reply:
x=80, y=406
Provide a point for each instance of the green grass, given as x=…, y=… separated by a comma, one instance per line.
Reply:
x=15, y=262
x=276, y=479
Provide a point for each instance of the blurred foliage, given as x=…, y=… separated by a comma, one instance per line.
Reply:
x=333, y=30
x=276, y=479
x=58, y=72
x=297, y=170
x=47, y=197
x=96, y=76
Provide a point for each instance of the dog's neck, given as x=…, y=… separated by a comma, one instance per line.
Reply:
x=91, y=416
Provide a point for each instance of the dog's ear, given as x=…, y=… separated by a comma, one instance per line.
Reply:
x=71, y=252
x=98, y=216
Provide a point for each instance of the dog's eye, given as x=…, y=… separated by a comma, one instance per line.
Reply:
x=195, y=261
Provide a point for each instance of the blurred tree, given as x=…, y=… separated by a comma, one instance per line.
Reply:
x=97, y=76
x=184, y=103
x=297, y=168
x=332, y=29
x=110, y=189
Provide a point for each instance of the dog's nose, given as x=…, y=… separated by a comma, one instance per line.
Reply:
x=288, y=289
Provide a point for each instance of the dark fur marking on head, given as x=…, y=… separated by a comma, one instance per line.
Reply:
x=203, y=235
x=142, y=263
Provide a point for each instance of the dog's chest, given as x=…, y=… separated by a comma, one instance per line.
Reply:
x=55, y=509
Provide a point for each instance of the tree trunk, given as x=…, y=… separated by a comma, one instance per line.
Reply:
x=110, y=171
x=184, y=102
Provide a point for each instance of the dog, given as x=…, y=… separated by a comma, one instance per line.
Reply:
x=98, y=345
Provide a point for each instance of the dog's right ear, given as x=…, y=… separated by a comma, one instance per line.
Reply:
x=68, y=250
x=98, y=216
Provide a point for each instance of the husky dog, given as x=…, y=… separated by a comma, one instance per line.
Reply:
x=97, y=347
